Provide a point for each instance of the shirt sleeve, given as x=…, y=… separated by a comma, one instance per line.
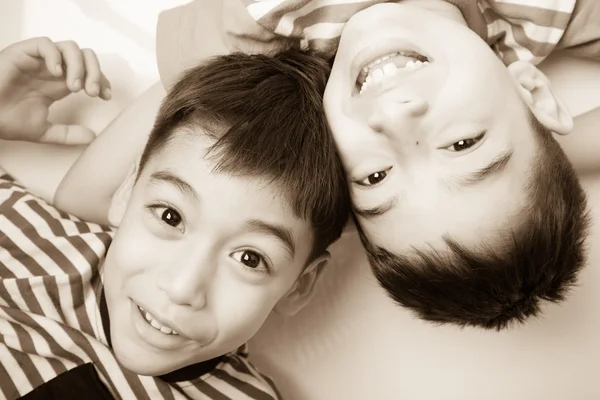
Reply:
x=526, y=30
x=189, y=34
x=314, y=24
x=582, y=37
x=38, y=240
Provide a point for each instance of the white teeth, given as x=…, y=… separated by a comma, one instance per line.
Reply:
x=157, y=325
x=378, y=61
x=166, y=330
x=389, y=69
x=376, y=75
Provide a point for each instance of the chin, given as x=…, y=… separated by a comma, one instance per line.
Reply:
x=142, y=364
x=145, y=367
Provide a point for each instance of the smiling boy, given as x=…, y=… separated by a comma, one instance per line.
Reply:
x=216, y=234
x=468, y=209
x=470, y=212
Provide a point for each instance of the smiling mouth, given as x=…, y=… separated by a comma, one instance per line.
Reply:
x=153, y=322
x=388, y=65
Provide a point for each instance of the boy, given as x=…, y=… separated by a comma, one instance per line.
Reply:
x=215, y=235
x=488, y=252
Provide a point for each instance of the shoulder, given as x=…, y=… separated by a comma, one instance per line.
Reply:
x=40, y=240
x=526, y=30
x=237, y=378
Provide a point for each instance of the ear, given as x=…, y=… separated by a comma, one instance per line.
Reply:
x=535, y=89
x=303, y=290
x=120, y=199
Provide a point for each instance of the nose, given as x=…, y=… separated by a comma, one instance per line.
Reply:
x=187, y=282
x=393, y=116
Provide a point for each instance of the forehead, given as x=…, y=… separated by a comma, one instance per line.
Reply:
x=186, y=158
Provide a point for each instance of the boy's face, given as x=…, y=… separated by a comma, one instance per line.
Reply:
x=440, y=148
x=199, y=261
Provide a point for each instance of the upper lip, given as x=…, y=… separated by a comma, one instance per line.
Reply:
x=163, y=321
x=383, y=47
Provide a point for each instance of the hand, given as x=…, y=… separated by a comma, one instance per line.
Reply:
x=35, y=73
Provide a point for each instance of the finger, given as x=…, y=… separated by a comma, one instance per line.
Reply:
x=93, y=74
x=35, y=48
x=105, y=90
x=49, y=52
x=73, y=61
x=68, y=135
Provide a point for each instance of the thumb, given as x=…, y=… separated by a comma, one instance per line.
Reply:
x=68, y=135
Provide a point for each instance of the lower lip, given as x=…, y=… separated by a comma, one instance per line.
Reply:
x=152, y=336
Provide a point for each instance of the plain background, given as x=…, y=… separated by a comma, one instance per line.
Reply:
x=351, y=342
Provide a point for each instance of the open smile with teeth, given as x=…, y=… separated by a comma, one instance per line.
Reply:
x=155, y=324
x=379, y=70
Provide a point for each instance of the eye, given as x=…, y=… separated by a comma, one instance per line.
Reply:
x=251, y=260
x=374, y=178
x=465, y=144
x=167, y=215
x=171, y=217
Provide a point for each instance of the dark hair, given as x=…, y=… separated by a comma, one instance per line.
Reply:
x=267, y=118
x=497, y=285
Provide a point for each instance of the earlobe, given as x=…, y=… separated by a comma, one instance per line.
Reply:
x=536, y=90
x=303, y=289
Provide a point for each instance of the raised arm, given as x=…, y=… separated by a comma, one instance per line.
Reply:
x=186, y=35
x=34, y=73
x=87, y=189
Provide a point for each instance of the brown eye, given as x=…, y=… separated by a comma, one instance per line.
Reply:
x=374, y=178
x=171, y=217
x=251, y=260
x=465, y=144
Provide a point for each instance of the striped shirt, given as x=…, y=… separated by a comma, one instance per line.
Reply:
x=527, y=30
x=516, y=29
x=51, y=317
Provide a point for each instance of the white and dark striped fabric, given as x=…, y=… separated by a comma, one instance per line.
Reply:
x=50, y=320
x=525, y=30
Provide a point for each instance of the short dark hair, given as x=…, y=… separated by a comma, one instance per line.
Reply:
x=266, y=116
x=502, y=284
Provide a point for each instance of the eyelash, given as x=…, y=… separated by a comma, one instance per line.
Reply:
x=263, y=260
x=384, y=172
x=153, y=208
x=477, y=139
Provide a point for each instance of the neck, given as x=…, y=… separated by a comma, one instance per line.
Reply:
x=443, y=8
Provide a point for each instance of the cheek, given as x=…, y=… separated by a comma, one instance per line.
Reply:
x=134, y=249
x=242, y=314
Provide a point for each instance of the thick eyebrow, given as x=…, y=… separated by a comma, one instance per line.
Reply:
x=493, y=168
x=378, y=210
x=167, y=177
x=283, y=234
